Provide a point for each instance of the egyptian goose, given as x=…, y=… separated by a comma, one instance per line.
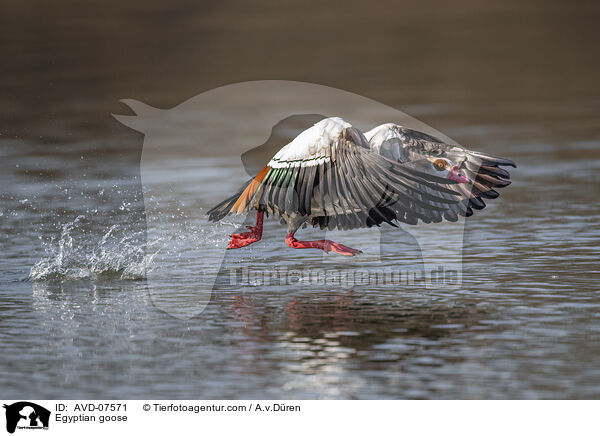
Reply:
x=333, y=176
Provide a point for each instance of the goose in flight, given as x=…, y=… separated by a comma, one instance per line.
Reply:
x=333, y=176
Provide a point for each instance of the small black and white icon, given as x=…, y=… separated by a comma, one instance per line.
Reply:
x=26, y=415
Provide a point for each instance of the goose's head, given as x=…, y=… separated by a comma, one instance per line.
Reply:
x=445, y=168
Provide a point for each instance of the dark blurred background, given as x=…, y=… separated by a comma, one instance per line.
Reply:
x=66, y=63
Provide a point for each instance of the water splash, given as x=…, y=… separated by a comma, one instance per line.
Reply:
x=119, y=252
x=115, y=255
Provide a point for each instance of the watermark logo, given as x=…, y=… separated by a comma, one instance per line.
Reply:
x=25, y=415
x=346, y=278
x=200, y=152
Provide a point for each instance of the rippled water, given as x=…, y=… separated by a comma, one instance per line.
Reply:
x=78, y=316
x=79, y=319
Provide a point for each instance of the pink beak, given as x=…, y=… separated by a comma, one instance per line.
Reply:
x=457, y=175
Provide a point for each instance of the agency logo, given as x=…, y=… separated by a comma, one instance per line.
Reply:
x=26, y=415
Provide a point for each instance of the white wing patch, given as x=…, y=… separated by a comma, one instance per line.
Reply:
x=386, y=140
x=311, y=147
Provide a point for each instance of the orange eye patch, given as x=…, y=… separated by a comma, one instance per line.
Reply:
x=439, y=164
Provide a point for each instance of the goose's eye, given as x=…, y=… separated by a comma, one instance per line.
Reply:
x=439, y=164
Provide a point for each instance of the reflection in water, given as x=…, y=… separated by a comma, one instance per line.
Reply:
x=321, y=336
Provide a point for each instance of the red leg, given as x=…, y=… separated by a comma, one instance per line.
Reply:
x=322, y=244
x=239, y=240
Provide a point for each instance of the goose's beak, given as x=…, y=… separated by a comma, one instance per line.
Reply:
x=457, y=175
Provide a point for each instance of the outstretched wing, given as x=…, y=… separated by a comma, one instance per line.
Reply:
x=485, y=171
x=330, y=176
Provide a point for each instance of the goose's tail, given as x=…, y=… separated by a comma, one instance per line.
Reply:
x=222, y=209
x=238, y=202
